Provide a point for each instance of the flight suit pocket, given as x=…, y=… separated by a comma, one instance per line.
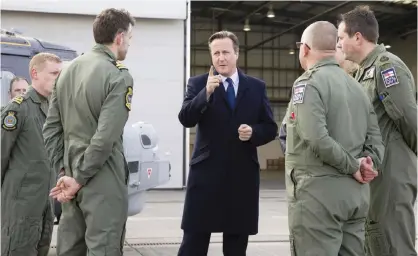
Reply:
x=378, y=244
x=291, y=185
x=26, y=233
x=34, y=188
x=290, y=138
x=392, y=110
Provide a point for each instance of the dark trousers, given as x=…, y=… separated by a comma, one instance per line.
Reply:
x=197, y=244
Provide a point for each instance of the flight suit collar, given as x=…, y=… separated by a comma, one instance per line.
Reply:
x=369, y=60
x=371, y=57
x=324, y=62
x=104, y=49
x=38, y=98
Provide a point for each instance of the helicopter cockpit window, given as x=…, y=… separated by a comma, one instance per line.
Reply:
x=6, y=77
x=146, y=141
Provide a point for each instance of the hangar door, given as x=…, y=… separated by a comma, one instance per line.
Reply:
x=155, y=60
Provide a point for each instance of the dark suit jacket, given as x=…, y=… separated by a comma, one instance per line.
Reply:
x=223, y=183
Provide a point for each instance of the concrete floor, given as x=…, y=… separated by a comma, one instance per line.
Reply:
x=156, y=231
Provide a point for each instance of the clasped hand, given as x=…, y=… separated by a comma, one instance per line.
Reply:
x=365, y=173
x=65, y=190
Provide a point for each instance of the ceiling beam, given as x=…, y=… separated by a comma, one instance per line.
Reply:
x=259, y=8
x=298, y=25
x=244, y=9
x=258, y=22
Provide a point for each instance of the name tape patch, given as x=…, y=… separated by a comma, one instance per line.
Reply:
x=389, y=77
x=298, y=93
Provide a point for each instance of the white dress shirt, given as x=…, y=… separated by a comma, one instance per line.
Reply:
x=235, y=81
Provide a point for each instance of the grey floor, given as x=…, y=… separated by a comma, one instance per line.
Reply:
x=156, y=231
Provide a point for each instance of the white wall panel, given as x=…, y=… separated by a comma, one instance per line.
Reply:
x=157, y=9
x=155, y=60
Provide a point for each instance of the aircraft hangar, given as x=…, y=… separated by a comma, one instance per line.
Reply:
x=268, y=31
x=170, y=38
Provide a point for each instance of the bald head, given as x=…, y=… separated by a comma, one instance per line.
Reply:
x=320, y=36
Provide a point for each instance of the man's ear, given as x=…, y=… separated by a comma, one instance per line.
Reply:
x=304, y=50
x=357, y=36
x=119, y=38
x=33, y=74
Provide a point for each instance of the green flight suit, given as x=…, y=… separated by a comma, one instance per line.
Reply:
x=83, y=134
x=330, y=125
x=27, y=219
x=392, y=91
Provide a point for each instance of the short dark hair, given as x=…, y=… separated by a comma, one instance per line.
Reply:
x=225, y=34
x=361, y=19
x=109, y=23
x=16, y=79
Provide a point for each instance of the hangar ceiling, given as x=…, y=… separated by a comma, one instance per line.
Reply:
x=397, y=19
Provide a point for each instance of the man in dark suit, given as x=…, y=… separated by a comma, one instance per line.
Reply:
x=233, y=117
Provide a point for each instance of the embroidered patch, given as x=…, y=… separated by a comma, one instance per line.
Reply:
x=10, y=121
x=369, y=73
x=128, y=98
x=389, y=77
x=18, y=99
x=384, y=59
x=298, y=93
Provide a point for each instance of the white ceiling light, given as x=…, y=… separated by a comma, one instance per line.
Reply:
x=247, y=25
x=291, y=51
x=387, y=46
x=270, y=13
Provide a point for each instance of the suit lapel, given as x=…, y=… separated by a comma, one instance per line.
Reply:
x=242, y=87
x=221, y=93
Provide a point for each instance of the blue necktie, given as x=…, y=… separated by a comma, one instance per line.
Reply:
x=230, y=92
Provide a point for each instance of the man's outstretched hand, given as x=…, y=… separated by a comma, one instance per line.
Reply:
x=65, y=190
x=366, y=173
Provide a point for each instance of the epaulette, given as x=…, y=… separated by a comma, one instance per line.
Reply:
x=120, y=65
x=306, y=75
x=18, y=100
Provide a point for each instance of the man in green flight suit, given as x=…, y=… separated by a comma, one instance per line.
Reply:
x=348, y=66
x=89, y=108
x=333, y=143
x=27, y=219
x=390, y=229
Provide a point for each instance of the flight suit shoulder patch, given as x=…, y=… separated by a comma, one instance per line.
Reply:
x=128, y=97
x=9, y=122
x=18, y=100
x=298, y=93
x=389, y=77
x=120, y=65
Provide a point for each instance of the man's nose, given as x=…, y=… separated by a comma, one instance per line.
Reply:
x=221, y=57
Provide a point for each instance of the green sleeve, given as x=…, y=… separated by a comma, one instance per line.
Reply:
x=396, y=90
x=311, y=127
x=12, y=120
x=113, y=116
x=373, y=145
x=54, y=134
